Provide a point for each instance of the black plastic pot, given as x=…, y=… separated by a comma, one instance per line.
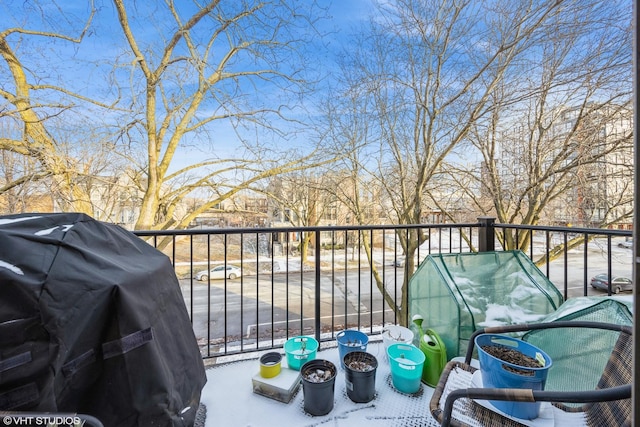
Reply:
x=360, y=375
x=318, y=385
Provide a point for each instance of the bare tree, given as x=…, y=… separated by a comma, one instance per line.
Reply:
x=204, y=101
x=557, y=143
x=227, y=66
x=429, y=68
x=31, y=104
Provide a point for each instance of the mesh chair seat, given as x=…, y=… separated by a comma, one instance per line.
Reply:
x=454, y=401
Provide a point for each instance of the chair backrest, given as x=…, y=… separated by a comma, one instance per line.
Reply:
x=580, y=355
x=618, y=371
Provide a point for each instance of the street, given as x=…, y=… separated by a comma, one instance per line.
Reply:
x=267, y=305
x=254, y=303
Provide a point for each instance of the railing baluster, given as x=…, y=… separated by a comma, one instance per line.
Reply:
x=566, y=265
x=190, y=287
x=257, y=291
x=586, y=263
x=318, y=315
x=208, y=236
x=333, y=279
x=226, y=305
x=371, y=245
x=547, y=243
x=395, y=273
x=609, y=271
x=359, y=278
x=241, y=290
x=287, y=288
x=346, y=289
x=302, y=260
x=384, y=272
x=273, y=287
x=531, y=243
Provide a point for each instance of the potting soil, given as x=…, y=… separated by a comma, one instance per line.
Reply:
x=360, y=366
x=513, y=356
x=318, y=375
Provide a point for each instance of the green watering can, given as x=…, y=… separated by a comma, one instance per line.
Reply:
x=435, y=352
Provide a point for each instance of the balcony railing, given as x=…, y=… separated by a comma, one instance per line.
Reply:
x=280, y=289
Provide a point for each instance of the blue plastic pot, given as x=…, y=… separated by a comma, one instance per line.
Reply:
x=351, y=340
x=495, y=373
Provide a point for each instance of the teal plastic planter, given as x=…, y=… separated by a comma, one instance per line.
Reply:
x=406, y=362
x=300, y=350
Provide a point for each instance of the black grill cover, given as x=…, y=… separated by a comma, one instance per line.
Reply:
x=92, y=321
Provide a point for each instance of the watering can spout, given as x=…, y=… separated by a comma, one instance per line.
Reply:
x=416, y=328
x=417, y=319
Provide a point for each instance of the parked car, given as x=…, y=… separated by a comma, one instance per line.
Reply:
x=619, y=283
x=398, y=262
x=628, y=244
x=220, y=272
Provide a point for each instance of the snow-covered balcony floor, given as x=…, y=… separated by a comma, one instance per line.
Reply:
x=231, y=402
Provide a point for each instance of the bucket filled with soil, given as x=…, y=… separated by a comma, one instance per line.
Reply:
x=507, y=362
x=360, y=376
x=318, y=386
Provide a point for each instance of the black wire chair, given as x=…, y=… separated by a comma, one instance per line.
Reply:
x=453, y=402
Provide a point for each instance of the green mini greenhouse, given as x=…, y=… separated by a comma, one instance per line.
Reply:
x=459, y=293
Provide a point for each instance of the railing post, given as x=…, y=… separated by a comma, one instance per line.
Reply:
x=487, y=234
x=317, y=287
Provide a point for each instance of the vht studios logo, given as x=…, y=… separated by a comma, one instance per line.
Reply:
x=43, y=420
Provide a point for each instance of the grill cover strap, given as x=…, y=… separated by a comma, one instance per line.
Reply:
x=127, y=343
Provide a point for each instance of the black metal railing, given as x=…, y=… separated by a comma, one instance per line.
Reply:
x=284, y=282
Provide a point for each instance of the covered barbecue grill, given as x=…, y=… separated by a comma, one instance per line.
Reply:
x=92, y=320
